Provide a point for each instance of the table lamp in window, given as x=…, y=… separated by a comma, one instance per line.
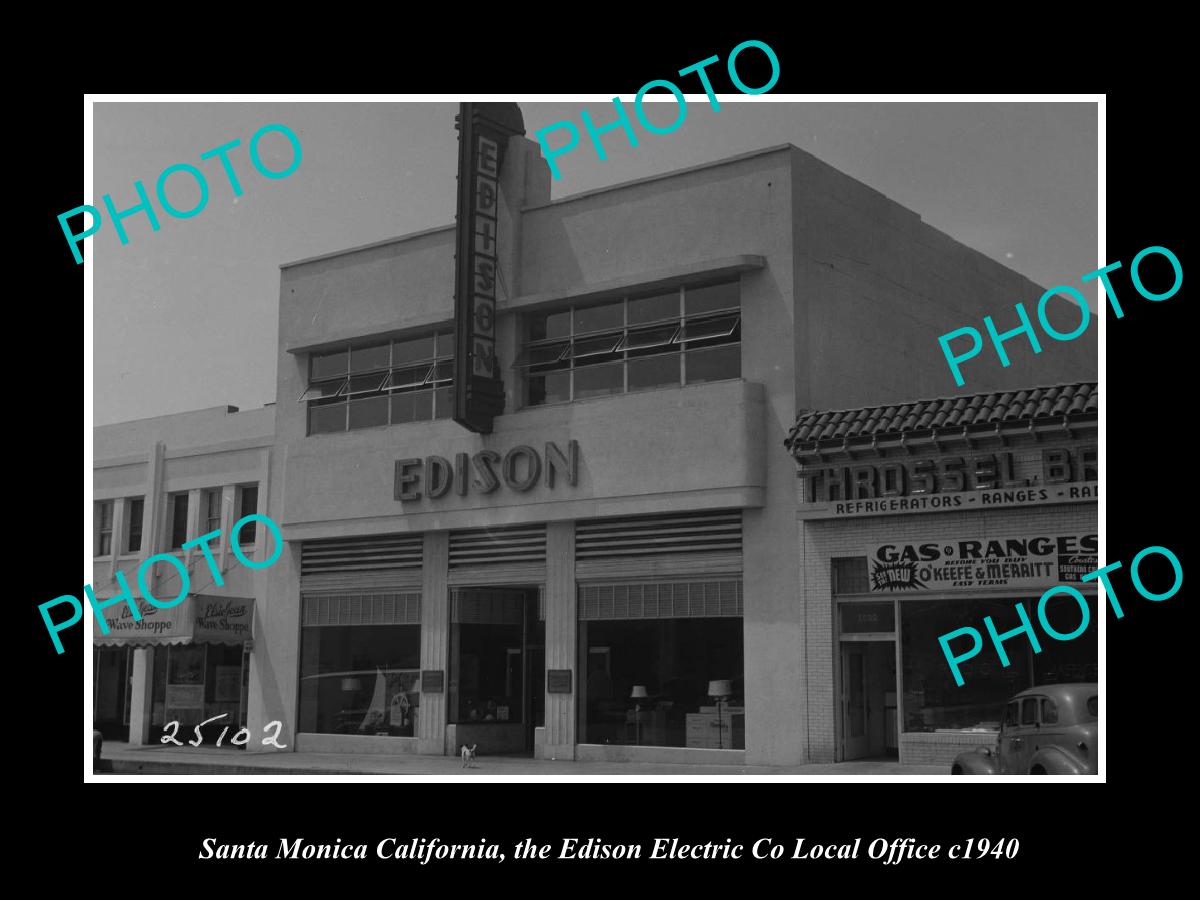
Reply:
x=720, y=690
x=637, y=695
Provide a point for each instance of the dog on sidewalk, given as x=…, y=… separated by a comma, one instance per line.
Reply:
x=468, y=756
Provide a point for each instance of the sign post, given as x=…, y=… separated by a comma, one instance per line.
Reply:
x=483, y=133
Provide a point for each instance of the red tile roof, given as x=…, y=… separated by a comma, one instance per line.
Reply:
x=1007, y=407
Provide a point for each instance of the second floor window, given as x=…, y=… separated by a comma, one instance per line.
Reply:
x=133, y=534
x=179, y=520
x=212, y=513
x=680, y=336
x=249, y=505
x=382, y=383
x=104, y=527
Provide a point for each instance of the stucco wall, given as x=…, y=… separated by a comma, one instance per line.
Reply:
x=876, y=287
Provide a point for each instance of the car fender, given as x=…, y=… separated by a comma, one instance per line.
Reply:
x=1053, y=761
x=976, y=762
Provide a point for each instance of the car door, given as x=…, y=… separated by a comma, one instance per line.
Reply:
x=1050, y=731
x=1025, y=737
x=1010, y=737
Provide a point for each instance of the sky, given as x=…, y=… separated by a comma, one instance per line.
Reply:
x=187, y=317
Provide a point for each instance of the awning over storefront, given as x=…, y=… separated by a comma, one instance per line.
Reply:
x=198, y=619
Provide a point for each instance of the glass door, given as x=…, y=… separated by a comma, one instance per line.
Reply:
x=855, y=711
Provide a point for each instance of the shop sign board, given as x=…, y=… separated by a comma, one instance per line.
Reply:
x=964, y=483
x=1027, y=561
x=484, y=130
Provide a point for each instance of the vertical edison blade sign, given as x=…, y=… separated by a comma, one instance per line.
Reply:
x=484, y=129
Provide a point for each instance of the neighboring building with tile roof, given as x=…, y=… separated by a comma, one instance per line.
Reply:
x=978, y=412
x=920, y=518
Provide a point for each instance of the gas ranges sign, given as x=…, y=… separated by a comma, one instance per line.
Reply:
x=1015, y=562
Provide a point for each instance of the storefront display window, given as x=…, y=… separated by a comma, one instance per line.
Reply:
x=1064, y=662
x=360, y=679
x=649, y=682
x=932, y=699
x=111, y=685
x=195, y=682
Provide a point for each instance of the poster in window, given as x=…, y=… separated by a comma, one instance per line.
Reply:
x=185, y=696
x=186, y=665
x=229, y=684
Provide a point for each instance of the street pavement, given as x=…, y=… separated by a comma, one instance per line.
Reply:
x=126, y=759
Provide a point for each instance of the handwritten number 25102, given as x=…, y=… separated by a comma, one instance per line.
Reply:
x=269, y=740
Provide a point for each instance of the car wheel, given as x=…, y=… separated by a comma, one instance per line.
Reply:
x=1037, y=770
x=956, y=770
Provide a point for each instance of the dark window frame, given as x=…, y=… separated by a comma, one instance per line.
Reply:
x=724, y=323
x=1048, y=712
x=174, y=520
x=1033, y=703
x=133, y=523
x=206, y=497
x=249, y=532
x=382, y=382
x=1012, y=714
x=104, y=535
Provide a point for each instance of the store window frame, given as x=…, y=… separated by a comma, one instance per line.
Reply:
x=367, y=383
x=1030, y=659
x=621, y=346
x=614, y=617
x=840, y=600
x=362, y=683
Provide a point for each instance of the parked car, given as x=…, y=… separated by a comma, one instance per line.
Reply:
x=1047, y=730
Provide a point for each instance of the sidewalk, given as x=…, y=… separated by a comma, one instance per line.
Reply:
x=124, y=759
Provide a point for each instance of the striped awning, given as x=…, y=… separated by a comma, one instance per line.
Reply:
x=198, y=619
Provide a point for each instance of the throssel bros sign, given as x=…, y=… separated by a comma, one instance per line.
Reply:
x=483, y=133
x=948, y=482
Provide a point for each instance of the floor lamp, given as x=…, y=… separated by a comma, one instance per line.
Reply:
x=637, y=695
x=720, y=690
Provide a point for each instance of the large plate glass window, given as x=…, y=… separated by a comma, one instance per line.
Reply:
x=662, y=664
x=360, y=664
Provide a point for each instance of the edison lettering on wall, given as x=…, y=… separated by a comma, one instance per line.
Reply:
x=519, y=469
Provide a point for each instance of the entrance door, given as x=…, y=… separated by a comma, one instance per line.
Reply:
x=856, y=741
x=111, y=675
x=868, y=684
x=497, y=668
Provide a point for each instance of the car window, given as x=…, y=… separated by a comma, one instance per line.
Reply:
x=1029, y=711
x=1049, y=712
x=1010, y=715
x=1093, y=706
